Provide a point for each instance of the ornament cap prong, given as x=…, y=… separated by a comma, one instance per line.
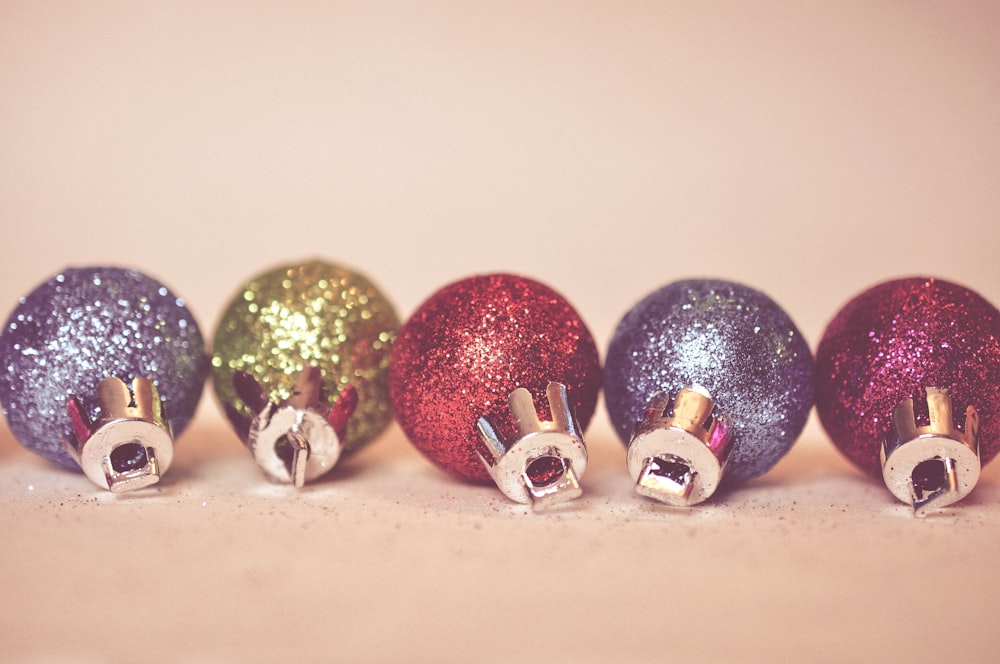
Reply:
x=543, y=463
x=295, y=441
x=679, y=450
x=933, y=465
x=129, y=446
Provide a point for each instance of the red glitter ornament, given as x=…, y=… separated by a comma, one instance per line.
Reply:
x=468, y=347
x=920, y=339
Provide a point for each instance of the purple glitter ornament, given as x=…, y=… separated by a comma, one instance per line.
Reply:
x=703, y=376
x=908, y=387
x=99, y=366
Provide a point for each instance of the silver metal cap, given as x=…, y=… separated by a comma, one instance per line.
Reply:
x=297, y=440
x=935, y=465
x=544, y=462
x=679, y=450
x=130, y=444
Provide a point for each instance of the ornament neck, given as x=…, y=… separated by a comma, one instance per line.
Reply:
x=297, y=439
x=542, y=464
x=129, y=446
x=934, y=465
x=679, y=450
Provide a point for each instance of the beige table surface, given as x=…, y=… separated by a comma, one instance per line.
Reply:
x=808, y=149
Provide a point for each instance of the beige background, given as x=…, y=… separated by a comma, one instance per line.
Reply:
x=808, y=149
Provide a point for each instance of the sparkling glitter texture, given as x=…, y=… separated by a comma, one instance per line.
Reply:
x=87, y=324
x=469, y=346
x=298, y=315
x=892, y=341
x=730, y=339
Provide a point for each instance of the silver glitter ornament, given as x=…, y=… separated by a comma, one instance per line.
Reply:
x=706, y=380
x=101, y=368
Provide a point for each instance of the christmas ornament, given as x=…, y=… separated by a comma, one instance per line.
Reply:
x=300, y=365
x=908, y=387
x=495, y=377
x=705, y=378
x=102, y=367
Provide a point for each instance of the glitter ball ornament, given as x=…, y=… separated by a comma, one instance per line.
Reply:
x=101, y=368
x=494, y=377
x=705, y=376
x=908, y=387
x=300, y=364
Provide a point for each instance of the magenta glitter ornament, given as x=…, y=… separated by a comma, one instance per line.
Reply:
x=908, y=387
x=495, y=377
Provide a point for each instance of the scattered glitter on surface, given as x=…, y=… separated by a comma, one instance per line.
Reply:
x=87, y=324
x=892, y=341
x=730, y=339
x=310, y=313
x=469, y=346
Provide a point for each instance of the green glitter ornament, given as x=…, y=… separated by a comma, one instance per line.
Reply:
x=300, y=365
